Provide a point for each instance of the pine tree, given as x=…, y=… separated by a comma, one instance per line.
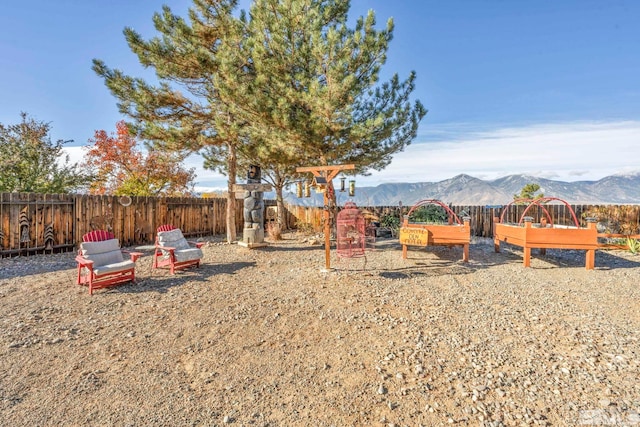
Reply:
x=289, y=85
x=278, y=169
x=529, y=191
x=184, y=110
x=308, y=89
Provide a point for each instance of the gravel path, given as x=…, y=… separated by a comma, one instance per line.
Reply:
x=263, y=337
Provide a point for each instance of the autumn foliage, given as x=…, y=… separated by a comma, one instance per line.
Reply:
x=121, y=168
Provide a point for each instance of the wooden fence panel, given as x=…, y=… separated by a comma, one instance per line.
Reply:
x=59, y=226
x=312, y=216
x=5, y=222
x=617, y=218
x=36, y=223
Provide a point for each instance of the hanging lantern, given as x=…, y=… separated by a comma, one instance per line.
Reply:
x=307, y=189
x=299, y=189
x=342, y=180
x=352, y=188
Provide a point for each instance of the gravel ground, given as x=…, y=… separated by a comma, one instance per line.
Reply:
x=263, y=337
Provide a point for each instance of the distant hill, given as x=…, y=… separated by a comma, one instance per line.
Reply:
x=467, y=190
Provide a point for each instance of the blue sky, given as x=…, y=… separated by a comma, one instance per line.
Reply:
x=548, y=88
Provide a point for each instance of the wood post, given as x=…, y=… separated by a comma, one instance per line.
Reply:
x=328, y=173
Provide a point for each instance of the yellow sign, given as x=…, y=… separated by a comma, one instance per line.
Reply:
x=414, y=236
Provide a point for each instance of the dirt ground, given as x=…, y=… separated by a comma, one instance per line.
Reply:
x=263, y=337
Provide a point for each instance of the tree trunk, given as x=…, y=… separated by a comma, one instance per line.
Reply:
x=332, y=206
x=282, y=220
x=232, y=163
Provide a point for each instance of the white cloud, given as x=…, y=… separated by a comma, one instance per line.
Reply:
x=561, y=151
x=206, y=180
x=75, y=153
x=567, y=152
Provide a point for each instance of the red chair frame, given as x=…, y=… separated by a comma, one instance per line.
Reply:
x=96, y=281
x=170, y=261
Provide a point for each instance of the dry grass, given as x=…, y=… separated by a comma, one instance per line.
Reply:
x=274, y=231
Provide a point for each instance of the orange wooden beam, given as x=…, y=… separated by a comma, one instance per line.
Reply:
x=328, y=172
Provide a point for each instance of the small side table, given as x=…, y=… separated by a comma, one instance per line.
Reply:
x=147, y=250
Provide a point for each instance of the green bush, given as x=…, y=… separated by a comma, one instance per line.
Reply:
x=429, y=214
x=390, y=221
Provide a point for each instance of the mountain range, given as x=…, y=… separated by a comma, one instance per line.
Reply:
x=467, y=190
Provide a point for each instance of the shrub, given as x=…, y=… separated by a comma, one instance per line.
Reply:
x=390, y=221
x=430, y=214
x=304, y=228
x=274, y=231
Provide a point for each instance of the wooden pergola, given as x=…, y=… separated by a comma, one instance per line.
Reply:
x=327, y=173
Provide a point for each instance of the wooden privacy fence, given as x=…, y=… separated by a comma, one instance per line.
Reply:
x=39, y=223
x=299, y=216
x=36, y=222
x=611, y=218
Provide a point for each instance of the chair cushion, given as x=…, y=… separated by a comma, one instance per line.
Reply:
x=173, y=238
x=112, y=268
x=190, y=254
x=102, y=253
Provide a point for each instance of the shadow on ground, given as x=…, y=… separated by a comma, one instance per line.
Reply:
x=162, y=281
x=605, y=260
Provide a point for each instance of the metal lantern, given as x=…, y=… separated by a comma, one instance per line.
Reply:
x=299, y=189
x=342, y=180
x=307, y=189
x=352, y=188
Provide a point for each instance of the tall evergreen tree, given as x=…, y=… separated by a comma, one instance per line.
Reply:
x=30, y=162
x=291, y=85
x=529, y=191
x=308, y=86
x=184, y=110
x=278, y=168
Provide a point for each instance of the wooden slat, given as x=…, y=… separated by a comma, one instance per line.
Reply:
x=72, y=216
